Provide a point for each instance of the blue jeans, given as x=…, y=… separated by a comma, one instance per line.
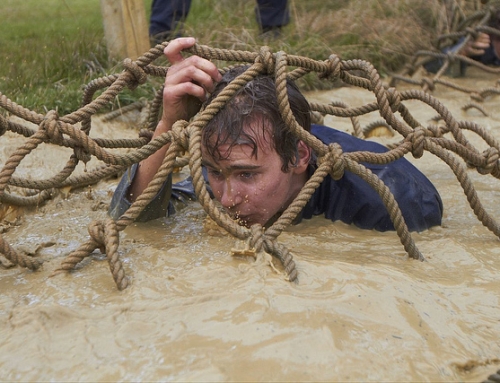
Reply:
x=167, y=14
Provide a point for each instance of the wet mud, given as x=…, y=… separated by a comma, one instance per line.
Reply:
x=361, y=310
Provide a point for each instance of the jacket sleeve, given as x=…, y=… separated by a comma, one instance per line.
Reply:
x=353, y=201
x=159, y=206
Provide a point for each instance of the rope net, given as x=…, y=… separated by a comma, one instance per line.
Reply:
x=446, y=141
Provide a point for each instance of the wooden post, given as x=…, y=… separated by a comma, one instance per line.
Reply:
x=125, y=28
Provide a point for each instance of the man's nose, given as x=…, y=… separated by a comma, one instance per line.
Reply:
x=230, y=195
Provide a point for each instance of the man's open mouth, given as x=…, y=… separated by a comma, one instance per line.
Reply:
x=242, y=220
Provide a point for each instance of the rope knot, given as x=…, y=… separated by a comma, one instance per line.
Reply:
x=180, y=134
x=451, y=57
x=491, y=155
x=146, y=133
x=52, y=127
x=417, y=139
x=333, y=68
x=266, y=58
x=394, y=98
x=436, y=130
x=334, y=157
x=96, y=231
x=472, y=32
x=427, y=81
x=82, y=155
x=256, y=241
x=140, y=76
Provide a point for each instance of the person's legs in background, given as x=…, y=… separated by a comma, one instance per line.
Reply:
x=166, y=19
x=272, y=15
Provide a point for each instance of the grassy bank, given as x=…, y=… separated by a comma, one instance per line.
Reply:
x=51, y=48
x=47, y=51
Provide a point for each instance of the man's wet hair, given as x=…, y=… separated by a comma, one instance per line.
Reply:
x=255, y=105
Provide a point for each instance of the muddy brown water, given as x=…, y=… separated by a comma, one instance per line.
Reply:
x=361, y=309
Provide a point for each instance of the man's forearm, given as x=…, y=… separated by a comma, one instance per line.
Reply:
x=149, y=166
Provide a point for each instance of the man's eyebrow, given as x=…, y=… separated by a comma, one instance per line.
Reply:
x=232, y=167
x=244, y=167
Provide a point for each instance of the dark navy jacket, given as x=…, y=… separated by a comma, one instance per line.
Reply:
x=350, y=199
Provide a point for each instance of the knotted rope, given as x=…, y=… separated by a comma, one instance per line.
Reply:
x=446, y=142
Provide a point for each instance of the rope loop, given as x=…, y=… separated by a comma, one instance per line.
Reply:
x=417, y=139
x=52, y=127
x=96, y=231
x=394, y=98
x=335, y=158
x=333, y=68
x=140, y=77
x=451, y=57
x=257, y=239
x=491, y=155
x=266, y=58
x=436, y=131
x=111, y=246
x=472, y=32
x=82, y=155
x=429, y=82
x=180, y=134
x=146, y=133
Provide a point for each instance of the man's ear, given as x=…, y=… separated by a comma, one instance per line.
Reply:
x=303, y=157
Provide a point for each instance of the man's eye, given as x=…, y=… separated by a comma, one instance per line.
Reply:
x=246, y=175
x=214, y=173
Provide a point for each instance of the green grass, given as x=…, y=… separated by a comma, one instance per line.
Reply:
x=52, y=48
x=48, y=49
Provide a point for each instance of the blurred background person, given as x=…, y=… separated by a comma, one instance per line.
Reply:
x=484, y=48
x=168, y=16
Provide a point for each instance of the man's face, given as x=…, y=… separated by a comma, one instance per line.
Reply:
x=252, y=189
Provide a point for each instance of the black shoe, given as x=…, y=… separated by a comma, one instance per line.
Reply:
x=270, y=33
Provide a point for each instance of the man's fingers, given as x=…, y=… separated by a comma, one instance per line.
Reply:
x=482, y=45
x=194, y=68
x=484, y=37
x=475, y=52
x=179, y=91
x=174, y=48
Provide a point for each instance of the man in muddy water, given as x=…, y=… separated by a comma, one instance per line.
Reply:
x=255, y=167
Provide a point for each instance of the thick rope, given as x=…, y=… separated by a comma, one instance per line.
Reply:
x=184, y=142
